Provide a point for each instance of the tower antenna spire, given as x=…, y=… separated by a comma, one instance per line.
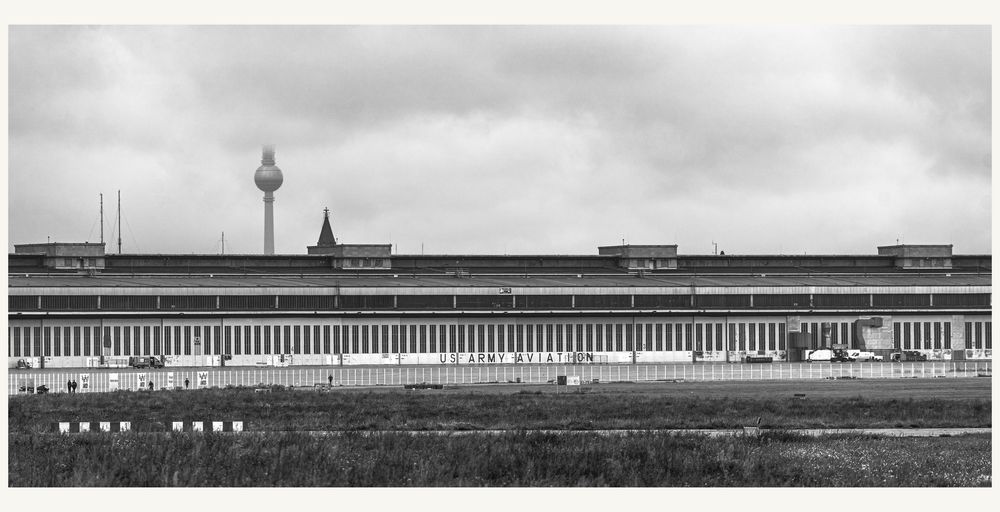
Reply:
x=119, y=222
x=268, y=178
x=102, y=218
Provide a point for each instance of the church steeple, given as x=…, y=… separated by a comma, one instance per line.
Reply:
x=326, y=238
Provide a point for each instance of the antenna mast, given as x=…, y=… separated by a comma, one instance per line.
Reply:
x=223, y=242
x=119, y=222
x=102, y=218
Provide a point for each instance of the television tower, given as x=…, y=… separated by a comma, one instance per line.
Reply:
x=268, y=178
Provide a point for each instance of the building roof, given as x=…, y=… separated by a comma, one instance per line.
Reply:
x=571, y=283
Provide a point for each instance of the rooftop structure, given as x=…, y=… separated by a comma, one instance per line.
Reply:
x=327, y=243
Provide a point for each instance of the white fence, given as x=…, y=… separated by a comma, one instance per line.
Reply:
x=19, y=381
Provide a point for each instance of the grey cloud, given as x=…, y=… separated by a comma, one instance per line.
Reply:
x=551, y=137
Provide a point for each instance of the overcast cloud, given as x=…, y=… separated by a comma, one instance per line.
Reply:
x=525, y=140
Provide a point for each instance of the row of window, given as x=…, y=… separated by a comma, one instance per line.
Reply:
x=841, y=333
x=923, y=335
x=364, y=262
x=77, y=262
x=376, y=339
x=491, y=302
x=937, y=335
x=980, y=335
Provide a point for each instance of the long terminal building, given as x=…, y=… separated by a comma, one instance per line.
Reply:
x=71, y=305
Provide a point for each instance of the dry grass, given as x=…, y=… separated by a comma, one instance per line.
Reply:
x=514, y=459
x=279, y=456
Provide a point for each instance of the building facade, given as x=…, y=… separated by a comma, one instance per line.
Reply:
x=360, y=305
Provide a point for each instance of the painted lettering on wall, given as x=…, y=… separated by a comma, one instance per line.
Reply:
x=516, y=357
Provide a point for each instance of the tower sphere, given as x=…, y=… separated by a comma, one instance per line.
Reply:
x=268, y=176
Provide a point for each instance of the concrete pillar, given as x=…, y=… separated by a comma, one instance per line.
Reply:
x=958, y=341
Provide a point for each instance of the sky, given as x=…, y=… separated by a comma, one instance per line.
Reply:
x=746, y=139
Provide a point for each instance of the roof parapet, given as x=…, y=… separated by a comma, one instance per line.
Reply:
x=642, y=256
x=918, y=256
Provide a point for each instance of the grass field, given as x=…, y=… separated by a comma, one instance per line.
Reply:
x=829, y=404
x=278, y=455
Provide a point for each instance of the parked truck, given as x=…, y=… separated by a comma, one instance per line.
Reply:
x=827, y=355
x=145, y=362
x=907, y=355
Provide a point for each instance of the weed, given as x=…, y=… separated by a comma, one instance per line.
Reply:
x=513, y=459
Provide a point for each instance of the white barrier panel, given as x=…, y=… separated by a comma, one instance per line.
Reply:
x=72, y=427
x=203, y=426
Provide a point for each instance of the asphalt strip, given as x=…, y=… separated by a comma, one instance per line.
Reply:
x=748, y=432
x=815, y=432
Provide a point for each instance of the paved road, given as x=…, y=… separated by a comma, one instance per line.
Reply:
x=814, y=432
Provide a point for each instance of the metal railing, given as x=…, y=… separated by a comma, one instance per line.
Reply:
x=127, y=379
